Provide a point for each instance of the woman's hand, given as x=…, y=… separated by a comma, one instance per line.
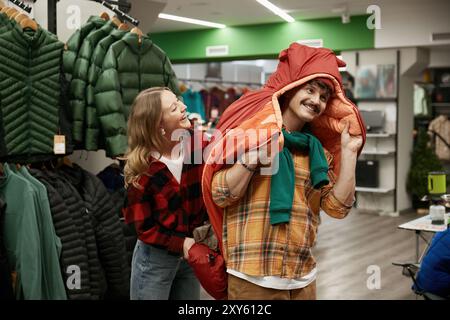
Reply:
x=350, y=143
x=188, y=243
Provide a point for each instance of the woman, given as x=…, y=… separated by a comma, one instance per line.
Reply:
x=164, y=199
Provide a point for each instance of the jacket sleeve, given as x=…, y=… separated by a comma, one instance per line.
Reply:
x=170, y=78
x=70, y=54
x=78, y=89
x=108, y=99
x=92, y=127
x=221, y=194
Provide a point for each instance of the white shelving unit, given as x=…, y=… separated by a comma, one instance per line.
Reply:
x=382, y=147
x=374, y=190
x=378, y=153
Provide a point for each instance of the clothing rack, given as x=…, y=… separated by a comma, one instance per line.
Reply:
x=123, y=5
x=22, y=5
x=51, y=10
x=221, y=82
x=121, y=15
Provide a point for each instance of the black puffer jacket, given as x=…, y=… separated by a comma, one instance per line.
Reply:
x=78, y=210
x=112, y=178
x=74, y=251
x=108, y=230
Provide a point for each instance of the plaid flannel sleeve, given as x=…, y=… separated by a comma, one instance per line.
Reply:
x=221, y=194
x=329, y=203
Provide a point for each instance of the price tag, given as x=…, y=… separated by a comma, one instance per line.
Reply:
x=59, y=146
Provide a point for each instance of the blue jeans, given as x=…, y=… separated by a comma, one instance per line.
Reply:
x=157, y=275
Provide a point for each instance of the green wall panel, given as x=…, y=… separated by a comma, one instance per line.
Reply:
x=265, y=40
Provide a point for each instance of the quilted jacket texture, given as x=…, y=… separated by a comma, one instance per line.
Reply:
x=128, y=68
x=75, y=42
x=30, y=92
x=80, y=78
x=107, y=228
x=93, y=138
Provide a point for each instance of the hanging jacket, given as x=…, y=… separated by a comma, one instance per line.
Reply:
x=50, y=242
x=5, y=23
x=194, y=103
x=108, y=230
x=80, y=78
x=93, y=138
x=21, y=236
x=30, y=92
x=75, y=42
x=82, y=222
x=6, y=290
x=112, y=178
x=78, y=210
x=261, y=110
x=128, y=68
x=74, y=251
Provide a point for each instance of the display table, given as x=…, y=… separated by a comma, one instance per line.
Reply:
x=420, y=225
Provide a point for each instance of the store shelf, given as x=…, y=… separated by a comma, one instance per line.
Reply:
x=377, y=100
x=380, y=135
x=378, y=153
x=374, y=190
x=441, y=104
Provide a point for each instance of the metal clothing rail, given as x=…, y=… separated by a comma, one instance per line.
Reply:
x=123, y=5
x=122, y=15
x=222, y=81
x=22, y=5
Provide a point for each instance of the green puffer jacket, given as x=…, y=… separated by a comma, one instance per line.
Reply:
x=93, y=139
x=6, y=23
x=79, y=78
x=128, y=68
x=75, y=42
x=30, y=92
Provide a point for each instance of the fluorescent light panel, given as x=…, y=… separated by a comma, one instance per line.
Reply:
x=276, y=10
x=193, y=21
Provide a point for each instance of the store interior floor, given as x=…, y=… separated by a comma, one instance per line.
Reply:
x=349, y=250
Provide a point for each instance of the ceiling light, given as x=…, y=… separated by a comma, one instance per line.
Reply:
x=193, y=21
x=276, y=10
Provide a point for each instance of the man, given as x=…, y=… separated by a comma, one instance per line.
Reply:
x=270, y=221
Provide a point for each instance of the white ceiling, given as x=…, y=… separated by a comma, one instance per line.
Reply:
x=242, y=12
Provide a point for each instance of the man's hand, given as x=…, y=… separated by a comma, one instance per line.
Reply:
x=350, y=143
x=188, y=243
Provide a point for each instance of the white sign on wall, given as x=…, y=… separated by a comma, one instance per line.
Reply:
x=215, y=51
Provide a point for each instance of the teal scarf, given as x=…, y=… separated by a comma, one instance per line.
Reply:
x=282, y=184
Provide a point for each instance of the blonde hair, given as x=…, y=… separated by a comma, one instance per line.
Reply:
x=144, y=133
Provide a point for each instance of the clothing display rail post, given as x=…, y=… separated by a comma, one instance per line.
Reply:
x=22, y=5
x=51, y=15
